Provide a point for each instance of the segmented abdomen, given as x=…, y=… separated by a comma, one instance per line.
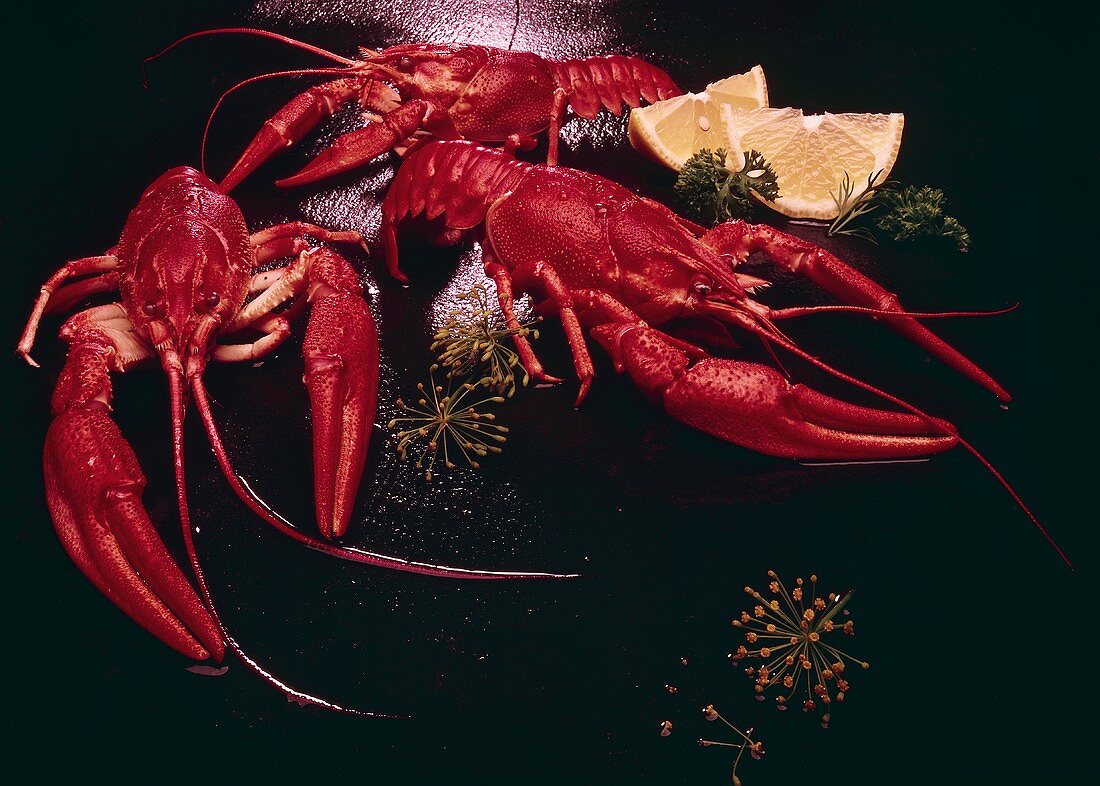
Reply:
x=611, y=81
x=454, y=178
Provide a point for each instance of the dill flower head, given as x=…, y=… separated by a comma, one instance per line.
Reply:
x=475, y=338
x=448, y=423
x=790, y=633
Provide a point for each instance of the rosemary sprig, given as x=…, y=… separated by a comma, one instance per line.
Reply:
x=910, y=213
x=852, y=206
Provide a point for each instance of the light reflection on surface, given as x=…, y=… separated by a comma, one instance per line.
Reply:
x=570, y=28
x=356, y=207
x=605, y=131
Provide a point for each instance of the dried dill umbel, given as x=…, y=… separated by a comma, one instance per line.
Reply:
x=448, y=424
x=451, y=423
x=475, y=340
x=787, y=632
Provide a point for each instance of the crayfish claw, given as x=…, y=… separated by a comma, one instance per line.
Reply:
x=754, y=406
x=356, y=148
x=93, y=487
x=341, y=373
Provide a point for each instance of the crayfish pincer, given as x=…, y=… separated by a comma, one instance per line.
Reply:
x=185, y=269
x=630, y=273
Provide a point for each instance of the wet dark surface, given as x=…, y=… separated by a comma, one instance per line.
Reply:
x=971, y=623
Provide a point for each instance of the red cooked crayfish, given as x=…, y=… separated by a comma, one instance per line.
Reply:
x=184, y=268
x=452, y=91
x=627, y=269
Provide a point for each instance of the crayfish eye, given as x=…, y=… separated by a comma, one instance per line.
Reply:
x=153, y=308
x=405, y=63
x=701, y=287
x=211, y=300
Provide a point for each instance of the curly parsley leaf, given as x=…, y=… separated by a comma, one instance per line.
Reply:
x=913, y=213
x=709, y=192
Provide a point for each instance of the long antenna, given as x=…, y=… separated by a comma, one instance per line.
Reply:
x=316, y=50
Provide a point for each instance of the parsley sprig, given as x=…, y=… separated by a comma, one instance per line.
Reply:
x=904, y=212
x=913, y=212
x=710, y=192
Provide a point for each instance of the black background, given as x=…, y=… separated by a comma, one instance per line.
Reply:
x=975, y=630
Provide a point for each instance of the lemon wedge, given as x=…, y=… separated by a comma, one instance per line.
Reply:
x=670, y=131
x=812, y=153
